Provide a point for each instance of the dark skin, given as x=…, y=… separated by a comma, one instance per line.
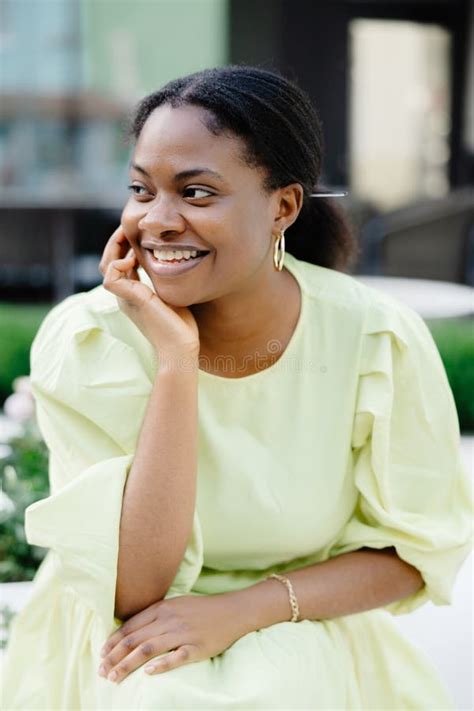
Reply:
x=234, y=217
x=211, y=310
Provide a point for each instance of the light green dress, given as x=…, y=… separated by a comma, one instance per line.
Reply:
x=350, y=439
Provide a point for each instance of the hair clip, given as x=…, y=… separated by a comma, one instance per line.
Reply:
x=341, y=193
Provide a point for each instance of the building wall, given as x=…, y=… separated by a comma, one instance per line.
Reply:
x=72, y=70
x=132, y=47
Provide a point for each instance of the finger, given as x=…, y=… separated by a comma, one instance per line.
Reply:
x=147, y=650
x=116, y=280
x=133, y=273
x=183, y=655
x=135, y=648
x=118, y=237
x=134, y=623
x=115, y=248
x=118, y=268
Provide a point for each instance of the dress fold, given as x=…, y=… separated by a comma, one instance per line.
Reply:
x=413, y=490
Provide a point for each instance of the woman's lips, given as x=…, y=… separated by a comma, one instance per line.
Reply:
x=170, y=269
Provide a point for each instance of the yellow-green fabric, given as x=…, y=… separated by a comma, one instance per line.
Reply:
x=350, y=440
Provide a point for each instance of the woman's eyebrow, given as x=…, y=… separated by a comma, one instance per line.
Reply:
x=193, y=172
x=190, y=173
x=139, y=168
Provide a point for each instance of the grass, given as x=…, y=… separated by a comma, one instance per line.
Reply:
x=18, y=326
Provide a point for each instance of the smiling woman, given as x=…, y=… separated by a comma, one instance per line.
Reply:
x=254, y=457
x=179, y=190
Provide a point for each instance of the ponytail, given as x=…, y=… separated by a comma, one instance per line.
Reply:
x=323, y=235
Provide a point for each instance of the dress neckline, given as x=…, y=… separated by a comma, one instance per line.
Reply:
x=285, y=358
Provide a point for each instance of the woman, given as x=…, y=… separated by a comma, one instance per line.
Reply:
x=219, y=411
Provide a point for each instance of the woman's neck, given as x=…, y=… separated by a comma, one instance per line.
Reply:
x=240, y=326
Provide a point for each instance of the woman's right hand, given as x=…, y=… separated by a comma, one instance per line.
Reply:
x=172, y=331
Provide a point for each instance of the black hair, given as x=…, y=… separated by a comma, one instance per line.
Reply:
x=282, y=133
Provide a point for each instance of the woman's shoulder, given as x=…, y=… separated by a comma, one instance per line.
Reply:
x=87, y=340
x=84, y=306
x=76, y=314
x=375, y=310
x=86, y=331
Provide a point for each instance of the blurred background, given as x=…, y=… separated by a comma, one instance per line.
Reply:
x=393, y=82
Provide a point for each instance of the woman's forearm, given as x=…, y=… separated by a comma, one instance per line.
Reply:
x=160, y=492
x=343, y=585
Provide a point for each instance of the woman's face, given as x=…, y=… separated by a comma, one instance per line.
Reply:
x=193, y=188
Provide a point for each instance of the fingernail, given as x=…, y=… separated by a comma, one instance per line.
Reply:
x=102, y=670
x=150, y=669
x=112, y=676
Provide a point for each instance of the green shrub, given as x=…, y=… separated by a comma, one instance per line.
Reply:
x=24, y=480
x=454, y=338
x=18, y=326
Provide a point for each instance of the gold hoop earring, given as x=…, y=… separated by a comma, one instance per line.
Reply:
x=279, y=251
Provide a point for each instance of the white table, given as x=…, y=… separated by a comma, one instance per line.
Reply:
x=429, y=297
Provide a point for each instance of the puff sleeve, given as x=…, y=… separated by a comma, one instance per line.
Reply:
x=91, y=392
x=412, y=490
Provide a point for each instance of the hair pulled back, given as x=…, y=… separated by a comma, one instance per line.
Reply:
x=282, y=133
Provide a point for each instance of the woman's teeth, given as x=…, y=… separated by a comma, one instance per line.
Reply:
x=174, y=255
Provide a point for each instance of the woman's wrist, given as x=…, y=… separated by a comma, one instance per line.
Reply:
x=177, y=361
x=261, y=605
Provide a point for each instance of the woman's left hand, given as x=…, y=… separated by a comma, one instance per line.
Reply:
x=185, y=629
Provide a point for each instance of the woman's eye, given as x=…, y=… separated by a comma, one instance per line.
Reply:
x=135, y=188
x=204, y=193
x=193, y=193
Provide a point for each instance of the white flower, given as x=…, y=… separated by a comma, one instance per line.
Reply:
x=7, y=507
x=10, y=475
x=19, y=407
x=9, y=429
x=5, y=451
x=22, y=384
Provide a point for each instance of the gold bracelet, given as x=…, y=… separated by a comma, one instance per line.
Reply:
x=293, y=601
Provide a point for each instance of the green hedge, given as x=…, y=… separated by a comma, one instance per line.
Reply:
x=24, y=480
x=455, y=341
x=18, y=325
x=454, y=338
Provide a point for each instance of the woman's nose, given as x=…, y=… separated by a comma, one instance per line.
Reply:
x=162, y=218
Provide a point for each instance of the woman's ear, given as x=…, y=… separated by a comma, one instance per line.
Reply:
x=289, y=201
